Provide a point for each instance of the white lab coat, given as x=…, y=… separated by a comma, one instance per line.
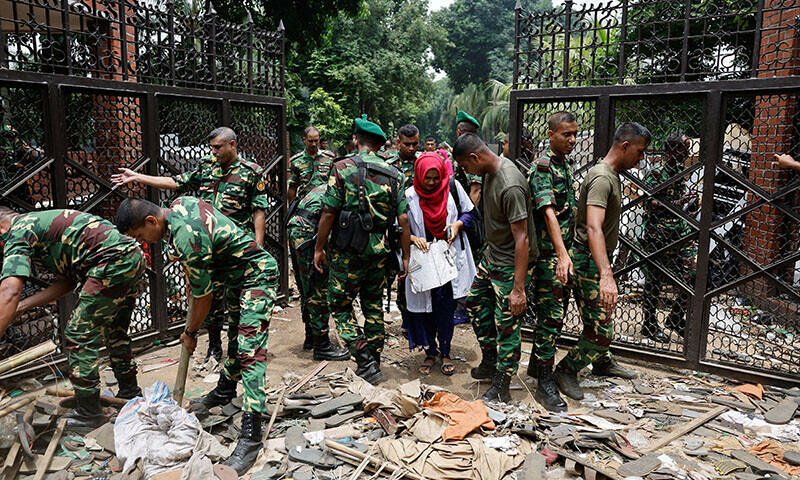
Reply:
x=421, y=302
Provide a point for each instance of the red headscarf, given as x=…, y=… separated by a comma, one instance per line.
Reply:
x=433, y=203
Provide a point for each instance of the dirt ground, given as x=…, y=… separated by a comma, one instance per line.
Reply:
x=398, y=364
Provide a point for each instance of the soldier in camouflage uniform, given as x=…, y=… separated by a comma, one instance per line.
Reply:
x=496, y=300
x=661, y=228
x=209, y=245
x=234, y=186
x=553, y=197
x=362, y=273
x=78, y=248
x=15, y=156
x=596, y=237
x=303, y=165
x=302, y=230
x=466, y=123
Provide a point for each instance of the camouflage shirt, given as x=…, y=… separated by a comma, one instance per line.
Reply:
x=237, y=191
x=342, y=194
x=303, y=166
x=210, y=246
x=658, y=217
x=300, y=228
x=66, y=242
x=552, y=184
x=405, y=166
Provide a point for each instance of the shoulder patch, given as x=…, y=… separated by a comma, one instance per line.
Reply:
x=261, y=186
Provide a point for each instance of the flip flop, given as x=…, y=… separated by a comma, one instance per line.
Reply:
x=782, y=413
x=426, y=365
x=336, y=405
x=448, y=364
x=313, y=457
x=639, y=468
x=342, y=418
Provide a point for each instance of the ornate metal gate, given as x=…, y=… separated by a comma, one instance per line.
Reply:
x=89, y=86
x=723, y=74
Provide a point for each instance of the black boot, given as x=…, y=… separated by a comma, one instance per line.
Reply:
x=128, y=388
x=498, y=392
x=376, y=356
x=86, y=416
x=246, y=451
x=611, y=368
x=488, y=366
x=325, y=350
x=224, y=392
x=547, y=392
x=308, y=343
x=214, y=343
x=651, y=330
x=367, y=369
x=567, y=382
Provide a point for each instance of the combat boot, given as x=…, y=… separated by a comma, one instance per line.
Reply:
x=87, y=415
x=249, y=444
x=498, y=392
x=223, y=393
x=325, y=350
x=308, y=343
x=651, y=330
x=128, y=388
x=611, y=368
x=567, y=382
x=214, y=343
x=546, y=390
x=488, y=366
x=367, y=369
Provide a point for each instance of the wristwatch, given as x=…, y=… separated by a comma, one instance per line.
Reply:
x=192, y=334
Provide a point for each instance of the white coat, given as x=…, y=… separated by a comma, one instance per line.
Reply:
x=421, y=302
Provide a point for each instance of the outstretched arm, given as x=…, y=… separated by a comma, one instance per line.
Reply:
x=127, y=175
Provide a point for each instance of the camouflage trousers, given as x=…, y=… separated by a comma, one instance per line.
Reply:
x=315, y=291
x=352, y=275
x=218, y=314
x=488, y=308
x=682, y=260
x=250, y=311
x=598, y=326
x=552, y=299
x=102, y=316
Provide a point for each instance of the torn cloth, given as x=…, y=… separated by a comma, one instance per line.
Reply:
x=771, y=452
x=464, y=416
x=399, y=404
x=466, y=459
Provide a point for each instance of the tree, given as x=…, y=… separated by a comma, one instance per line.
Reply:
x=326, y=114
x=480, y=40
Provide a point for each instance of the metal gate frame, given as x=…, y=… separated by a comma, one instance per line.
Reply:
x=714, y=94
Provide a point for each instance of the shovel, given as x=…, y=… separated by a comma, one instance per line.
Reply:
x=183, y=366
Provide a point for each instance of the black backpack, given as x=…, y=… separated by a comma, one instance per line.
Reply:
x=476, y=232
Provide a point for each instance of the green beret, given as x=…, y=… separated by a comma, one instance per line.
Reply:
x=365, y=126
x=463, y=116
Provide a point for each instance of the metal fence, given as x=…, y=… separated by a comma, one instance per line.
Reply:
x=727, y=80
x=87, y=87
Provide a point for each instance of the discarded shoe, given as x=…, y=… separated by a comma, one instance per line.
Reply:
x=313, y=457
x=781, y=413
x=335, y=405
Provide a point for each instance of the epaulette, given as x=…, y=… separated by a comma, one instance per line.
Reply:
x=543, y=164
x=252, y=166
x=297, y=155
x=328, y=153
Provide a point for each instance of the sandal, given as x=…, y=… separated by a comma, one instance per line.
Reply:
x=427, y=365
x=448, y=368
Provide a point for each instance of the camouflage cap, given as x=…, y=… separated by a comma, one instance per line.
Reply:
x=365, y=126
x=462, y=116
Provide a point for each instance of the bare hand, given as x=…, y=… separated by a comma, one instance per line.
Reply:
x=402, y=275
x=564, y=269
x=454, y=227
x=420, y=243
x=125, y=176
x=517, y=301
x=784, y=161
x=188, y=342
x=608, y=294
x=319, y=260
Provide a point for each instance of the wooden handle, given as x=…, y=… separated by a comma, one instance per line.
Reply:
x=183, y=366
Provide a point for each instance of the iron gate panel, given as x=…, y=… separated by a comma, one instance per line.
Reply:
x=93, y=87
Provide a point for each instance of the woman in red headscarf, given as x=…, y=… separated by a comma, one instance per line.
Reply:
x=434, y=215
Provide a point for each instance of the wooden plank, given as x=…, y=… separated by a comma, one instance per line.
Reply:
x=11, y=467
x=389, y=467
x=385, y=420
x=28, y=355
x=65, y=392
x=51, y=450
x=16, y=405
x=684, y=429
x=320, y=367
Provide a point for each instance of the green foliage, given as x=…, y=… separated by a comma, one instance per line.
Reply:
x=439, y=120
x=327, y=115
x=480, y=40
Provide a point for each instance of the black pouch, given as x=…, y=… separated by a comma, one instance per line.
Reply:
x=343, y=233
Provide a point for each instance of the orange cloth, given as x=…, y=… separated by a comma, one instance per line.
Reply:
x=464, y=416
x=771, y=452
x=755, y=391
